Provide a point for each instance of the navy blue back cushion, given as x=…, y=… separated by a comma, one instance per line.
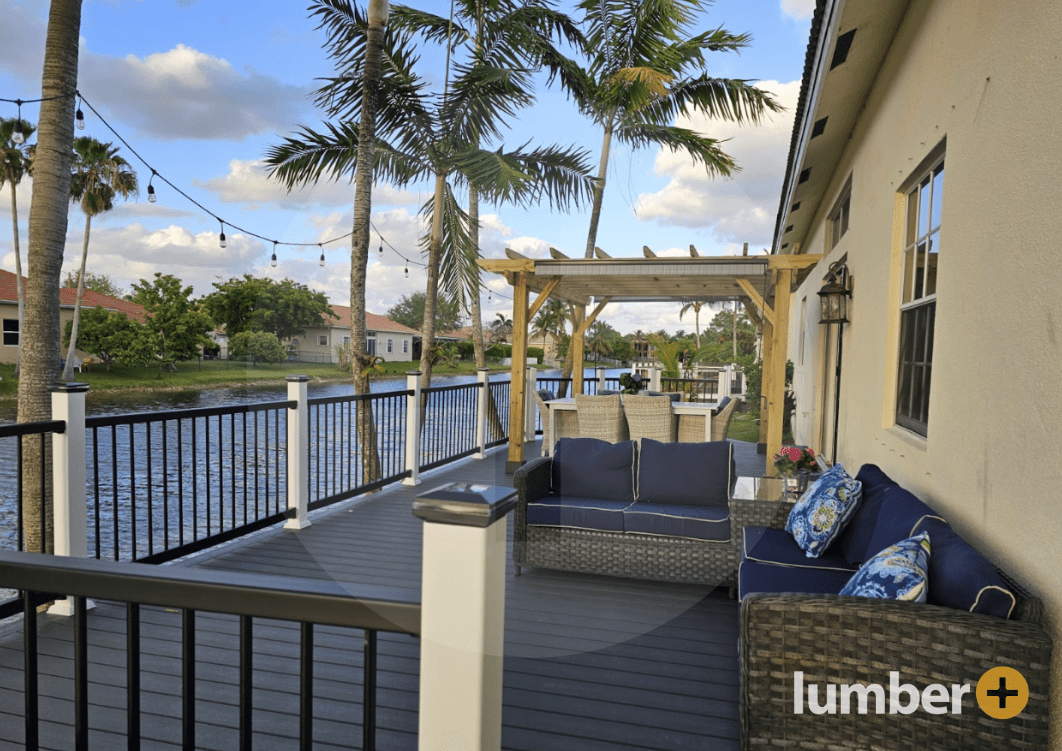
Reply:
x=855, y=541
x=960, y=577
x=591, y=468
x=696, y=474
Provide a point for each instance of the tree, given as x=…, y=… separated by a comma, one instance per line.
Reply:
x=107, y=334
x=14, y=165
x=550, y=321
x=600, y=338
x=97, y=283
x=284, y=309
x=49, y=209
x=645, y=70
x=100, y=176
x=695, y=306
x=174, y=328
x=410, y=312
x=423, y=135
x=501, y=328
x=257, y=346
x=720, y=336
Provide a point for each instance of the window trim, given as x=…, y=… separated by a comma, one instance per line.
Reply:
x=16, y=331
x=322, y=340
x=841, y=207
x=390, y=346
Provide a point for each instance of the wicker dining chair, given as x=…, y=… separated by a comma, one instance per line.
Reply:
x=650, y=417
x=691, y=427
x=601, y=417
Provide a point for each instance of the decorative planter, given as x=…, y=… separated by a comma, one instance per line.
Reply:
x=796, y=482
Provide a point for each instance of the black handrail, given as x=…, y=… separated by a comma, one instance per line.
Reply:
x=32, y=428
x=106, y=421
x=248, y=596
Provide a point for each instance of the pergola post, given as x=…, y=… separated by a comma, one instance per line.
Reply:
x=767, y=337
x=577, y=349
x=776, y=364
x=519, y=374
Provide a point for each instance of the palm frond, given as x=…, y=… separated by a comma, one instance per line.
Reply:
x=418, y=23
x=458, y=272
x=704, y=150
x=724, y=98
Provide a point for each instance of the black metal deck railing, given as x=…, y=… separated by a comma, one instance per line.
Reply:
x=165, y=484
x=347, y=457
x=449, y=430
x=247, y=596
x=13, y=444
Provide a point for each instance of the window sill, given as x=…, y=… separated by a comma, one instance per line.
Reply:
x=909, y=437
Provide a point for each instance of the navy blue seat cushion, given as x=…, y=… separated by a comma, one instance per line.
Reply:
x=577, y=513
x=674, y=520
x=592, y=468
x=754, y=576
x=722, y=403
x=546, y=395
x=960, y=577
x=699, y=474
x=776, y=546
x=887, y=514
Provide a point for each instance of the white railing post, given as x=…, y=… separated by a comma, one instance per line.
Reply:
x=530, y=403
x=727, y=387
x=298, y=453
x=483, y=377
x=68, y=478
x=462, y=623
x=599, y=372
x=412, y=428
x=654, y=378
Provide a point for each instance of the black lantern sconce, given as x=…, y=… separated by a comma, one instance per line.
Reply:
x=835, y=295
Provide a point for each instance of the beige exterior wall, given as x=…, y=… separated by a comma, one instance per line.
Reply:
x=9, y=311
x=984, y=76
x=310, y=343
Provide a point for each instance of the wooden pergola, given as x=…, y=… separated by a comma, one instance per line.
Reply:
x=762, y=283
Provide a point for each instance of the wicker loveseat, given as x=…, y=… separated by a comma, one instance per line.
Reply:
x=659, y=512
x=793, y=621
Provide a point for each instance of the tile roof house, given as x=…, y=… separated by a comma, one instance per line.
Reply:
x=388, y=339
x=67, y=299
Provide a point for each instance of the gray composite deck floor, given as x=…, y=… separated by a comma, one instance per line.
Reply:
x=591, y=662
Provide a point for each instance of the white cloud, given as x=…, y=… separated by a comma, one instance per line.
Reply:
x=248, y=183
x=187, y=94
x=799, y=9
x=741, y=209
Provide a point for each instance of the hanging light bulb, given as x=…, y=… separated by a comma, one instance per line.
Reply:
x=17, y=136
x=322, y=253
x=273, y=262
x=79, y=116
x=488, y=297
x=407, y=270
x=221, y=238
x=381, y=248
x=151, y=188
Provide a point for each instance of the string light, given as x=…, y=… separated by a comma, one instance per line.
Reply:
x=221, y=238
x=273, y=262
x=79, y=117
x=322, y=253
x=17, y=136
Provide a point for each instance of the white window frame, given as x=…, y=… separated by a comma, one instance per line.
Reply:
x=840, y=215
x=322, y=340
x=390, y=346
x=918, y=296
x=14, y=332
x=405, y=346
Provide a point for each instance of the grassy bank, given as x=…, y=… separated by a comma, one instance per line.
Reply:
x=216, y=374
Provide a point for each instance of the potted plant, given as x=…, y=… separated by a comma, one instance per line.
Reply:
x=795, y=464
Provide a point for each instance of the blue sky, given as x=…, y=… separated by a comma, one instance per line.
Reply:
x=201, y=89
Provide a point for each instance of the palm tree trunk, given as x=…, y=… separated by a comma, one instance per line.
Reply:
x=47, y=238
x=71, y=352
x=576, y=317
x=361, y=360
x=599, y=190
x=18, y=277
x=479, y=348
x=734, y=330
x=431, y=293
x=697, y=324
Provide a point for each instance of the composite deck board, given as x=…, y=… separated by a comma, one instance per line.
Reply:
x=592, y=663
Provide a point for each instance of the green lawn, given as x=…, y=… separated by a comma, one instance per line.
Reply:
x=744, y=426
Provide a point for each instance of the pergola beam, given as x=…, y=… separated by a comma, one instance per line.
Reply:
x=578, y=345
x=518, y=375
x=748, y=289
x=542, y=297
x=793, y=262
x=776, y=386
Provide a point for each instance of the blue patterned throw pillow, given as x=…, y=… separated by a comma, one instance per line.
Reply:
x=821, y=513
x=899, y=572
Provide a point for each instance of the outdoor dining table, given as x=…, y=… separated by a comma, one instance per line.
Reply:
x=703, y=409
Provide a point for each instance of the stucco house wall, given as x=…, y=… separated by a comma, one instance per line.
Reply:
x=976, y=81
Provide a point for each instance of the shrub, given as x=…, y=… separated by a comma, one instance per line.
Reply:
x=258, y=346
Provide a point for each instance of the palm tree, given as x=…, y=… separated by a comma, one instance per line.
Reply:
x=550, y=320
x=14, y=165
x=99, y=176
x=501, y=328
x=424, y=136
x=695, y=306
x=645, y=70
x=49, y=208
x=600, y=340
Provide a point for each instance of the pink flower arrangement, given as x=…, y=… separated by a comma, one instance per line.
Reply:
x=793, y=459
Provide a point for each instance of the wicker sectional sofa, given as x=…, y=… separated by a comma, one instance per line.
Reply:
x=793, y=621
x=678, y=524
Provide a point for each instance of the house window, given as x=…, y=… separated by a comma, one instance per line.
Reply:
x=839, y=215
x=346, y=341
x=918, y=305
x=10, y=332
x=405, y=346
x=370, y=345
x=322, y=340
x=390, y=346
